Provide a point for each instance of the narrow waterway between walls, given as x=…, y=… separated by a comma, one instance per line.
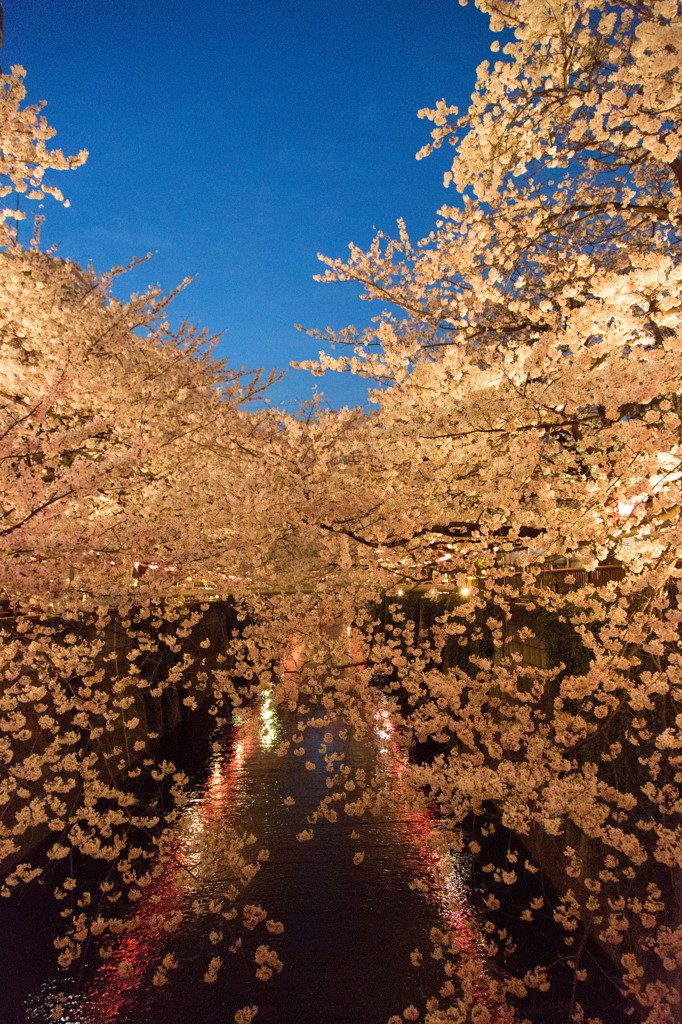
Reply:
x=351, y=911
x=355, y=901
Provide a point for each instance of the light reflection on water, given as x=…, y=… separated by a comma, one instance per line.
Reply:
x=444, y=876
x=349, y=929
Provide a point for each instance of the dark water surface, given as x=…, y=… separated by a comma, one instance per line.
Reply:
x=349, y=928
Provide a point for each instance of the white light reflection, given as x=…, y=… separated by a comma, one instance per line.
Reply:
x=271, y=728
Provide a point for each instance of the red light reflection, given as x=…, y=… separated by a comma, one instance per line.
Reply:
x=141, y=947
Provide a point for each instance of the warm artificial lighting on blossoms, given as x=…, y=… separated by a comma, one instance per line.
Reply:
x=626, y=508
x=527, y=357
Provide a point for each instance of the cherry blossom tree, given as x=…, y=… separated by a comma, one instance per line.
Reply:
x=25, y=156
x=529, y=417
x=115, y=428
x=123, y=443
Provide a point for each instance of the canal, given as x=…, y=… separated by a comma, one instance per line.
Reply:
x=343, y=912
x=333, y=925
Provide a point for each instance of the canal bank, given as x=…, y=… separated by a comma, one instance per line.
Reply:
x=139, y=684
x=622, y=889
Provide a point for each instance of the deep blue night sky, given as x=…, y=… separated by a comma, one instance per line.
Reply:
x=237, y=139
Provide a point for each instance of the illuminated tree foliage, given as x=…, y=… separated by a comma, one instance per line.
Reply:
x=490, y=562
x=529, y=419
x=128, y=467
